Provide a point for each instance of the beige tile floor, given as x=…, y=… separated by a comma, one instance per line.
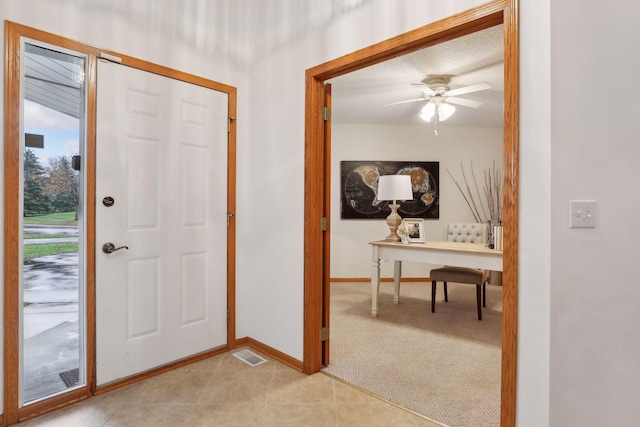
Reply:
x=224, y=391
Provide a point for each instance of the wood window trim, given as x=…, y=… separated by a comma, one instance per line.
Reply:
x=317, y=174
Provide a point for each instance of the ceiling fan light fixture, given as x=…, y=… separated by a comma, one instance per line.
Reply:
x=445, y=111
x=427, y=112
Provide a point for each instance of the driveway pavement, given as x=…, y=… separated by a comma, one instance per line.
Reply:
x=72, y=232
x=51, y=279
x=49, y=229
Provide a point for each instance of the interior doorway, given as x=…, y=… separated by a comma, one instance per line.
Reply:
x=494, y=13
x=428, y=363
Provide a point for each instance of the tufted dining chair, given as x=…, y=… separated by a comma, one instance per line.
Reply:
x=469, y=233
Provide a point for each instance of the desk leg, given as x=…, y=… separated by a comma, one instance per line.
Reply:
x=375, y=281
x=397, y=273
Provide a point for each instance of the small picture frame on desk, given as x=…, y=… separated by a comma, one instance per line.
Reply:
x=415, y=229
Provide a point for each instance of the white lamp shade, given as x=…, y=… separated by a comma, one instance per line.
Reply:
x=445, y=111
x=427, y=112
x=395, y=187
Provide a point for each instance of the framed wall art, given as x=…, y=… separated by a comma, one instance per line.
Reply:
x=359, y=189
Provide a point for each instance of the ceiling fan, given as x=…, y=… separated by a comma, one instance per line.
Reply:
x=440, y=98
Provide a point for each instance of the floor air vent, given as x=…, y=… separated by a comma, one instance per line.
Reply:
x=249, y=357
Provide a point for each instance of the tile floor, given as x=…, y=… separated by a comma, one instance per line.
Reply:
x=224, y=391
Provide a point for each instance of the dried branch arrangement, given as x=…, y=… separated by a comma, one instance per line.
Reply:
x=485, y=205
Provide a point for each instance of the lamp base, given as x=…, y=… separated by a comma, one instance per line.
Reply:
x=393, y=221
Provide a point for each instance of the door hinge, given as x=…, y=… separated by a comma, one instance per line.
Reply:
x=228, y=315
x=324, y=223
x=229, y=216
x=229, y=124
x=326, y=113
x=324, y=334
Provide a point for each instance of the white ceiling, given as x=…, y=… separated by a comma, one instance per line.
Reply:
x=361, y=96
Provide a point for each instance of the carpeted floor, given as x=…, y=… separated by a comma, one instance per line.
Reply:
x=444, y=365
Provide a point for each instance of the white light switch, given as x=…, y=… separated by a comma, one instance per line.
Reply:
x=582, y=213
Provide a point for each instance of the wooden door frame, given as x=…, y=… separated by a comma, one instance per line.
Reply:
x=317, y=174
x=13, y=34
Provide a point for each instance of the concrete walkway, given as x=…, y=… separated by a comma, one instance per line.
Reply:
x=56, y=240
x=50, y=321
x=71, y=231
x=47, y=355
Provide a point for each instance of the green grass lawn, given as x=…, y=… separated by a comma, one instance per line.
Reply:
x=44, y=249
x=63, y=218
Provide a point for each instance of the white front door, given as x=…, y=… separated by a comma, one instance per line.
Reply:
x=162, y=168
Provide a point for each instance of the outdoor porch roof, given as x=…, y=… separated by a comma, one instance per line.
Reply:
x=54, y=79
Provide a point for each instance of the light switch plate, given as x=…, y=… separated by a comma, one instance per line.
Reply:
x=582, y=213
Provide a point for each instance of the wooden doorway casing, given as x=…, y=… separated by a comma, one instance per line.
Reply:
x=14, y=32
x=317, y=175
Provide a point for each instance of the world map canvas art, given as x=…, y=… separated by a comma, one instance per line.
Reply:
x=359, y=189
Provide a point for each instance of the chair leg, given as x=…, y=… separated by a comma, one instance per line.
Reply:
x=484, y=294
x=478, y=297
x=433, y=296
x=446, y=293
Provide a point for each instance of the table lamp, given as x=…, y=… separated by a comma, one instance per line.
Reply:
x=394, y=187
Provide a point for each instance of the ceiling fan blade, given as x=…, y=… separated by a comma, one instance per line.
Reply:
x=404, y=102
x=424, y=89
x=468, y=89
x=463, y=101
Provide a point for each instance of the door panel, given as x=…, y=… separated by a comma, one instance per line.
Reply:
x=162, y=157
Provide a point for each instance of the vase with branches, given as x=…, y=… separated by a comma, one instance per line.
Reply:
x=485, y=201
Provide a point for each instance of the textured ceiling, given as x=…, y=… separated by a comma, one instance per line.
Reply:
x=361, y=96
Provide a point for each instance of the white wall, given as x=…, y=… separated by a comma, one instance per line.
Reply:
x=453, y=146
x=595, y=297
x=534, y=212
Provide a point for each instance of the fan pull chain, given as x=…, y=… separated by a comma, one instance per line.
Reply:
x=435, y=122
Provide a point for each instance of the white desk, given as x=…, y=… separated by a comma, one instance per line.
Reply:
x=456, y=254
